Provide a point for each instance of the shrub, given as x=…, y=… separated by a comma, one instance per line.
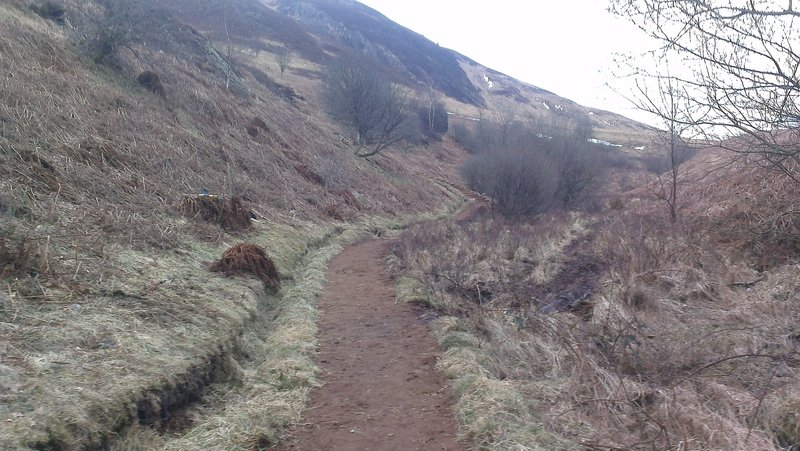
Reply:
x=335, y=170
x=151, y=81
x=520, y=183
x=433, y=119
x=51, y=11
x=373, y=109
x=284, y=58
x=107, y=42
x=248, y=258
x=579, y=170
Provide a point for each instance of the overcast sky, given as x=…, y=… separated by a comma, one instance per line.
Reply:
x=567, y=47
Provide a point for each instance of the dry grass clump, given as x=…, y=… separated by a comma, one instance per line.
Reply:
x=487, y=262
x=24, y=258
x=228, y=212
x=248, y=258
x=151, y=81
x=678, y=345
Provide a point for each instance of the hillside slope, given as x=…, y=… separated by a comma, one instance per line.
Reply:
x=119, y=118
x=110, y=316
x=468, y=85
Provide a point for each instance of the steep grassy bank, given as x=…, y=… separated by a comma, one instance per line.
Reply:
x=169, y=337
x=109, y=315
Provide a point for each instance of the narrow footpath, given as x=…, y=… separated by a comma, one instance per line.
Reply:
x=381, y=390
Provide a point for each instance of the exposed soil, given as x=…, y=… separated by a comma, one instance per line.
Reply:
x=381, y=390
x=479, y=205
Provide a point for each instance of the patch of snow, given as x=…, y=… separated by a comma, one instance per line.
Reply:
x=559, y=108
x=473, y=119
x=603, y=143
x=489, y=82
x=543, y=136
x=640, y=147
x=591, y=113
x=546, y=105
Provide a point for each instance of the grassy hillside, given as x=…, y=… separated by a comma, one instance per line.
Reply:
x=109, y=313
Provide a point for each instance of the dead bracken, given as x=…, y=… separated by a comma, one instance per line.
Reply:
x=228, y=212
x=18, y=260
x=248, y=258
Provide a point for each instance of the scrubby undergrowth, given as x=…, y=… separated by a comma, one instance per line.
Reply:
x=679, y=342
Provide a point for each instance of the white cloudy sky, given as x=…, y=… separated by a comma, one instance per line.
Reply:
x=564, y=46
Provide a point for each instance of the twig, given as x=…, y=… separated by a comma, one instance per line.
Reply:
x=746, y=284
x=13, y=300
x=46, y=255
x=722, y=360
x=77, y=269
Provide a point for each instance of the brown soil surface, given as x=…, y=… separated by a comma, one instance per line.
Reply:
x=381, y=390
x=478, y=204
x=472, y=211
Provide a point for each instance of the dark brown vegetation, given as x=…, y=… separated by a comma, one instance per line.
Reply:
x=528, y=168
x=51, y=10
x=249, y=258
x=229, y=213
x=152, y=82
x=21, y=259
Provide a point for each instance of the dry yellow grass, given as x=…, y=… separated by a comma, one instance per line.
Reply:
x=120, y=322
x=684, y=345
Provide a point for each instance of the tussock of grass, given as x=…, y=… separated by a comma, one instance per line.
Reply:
x=248, y=258
x=493, y=413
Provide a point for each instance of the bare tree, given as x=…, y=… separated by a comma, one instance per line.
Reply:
x=118, y=28
x=665, y=102
x=433, y=114
x=284, y=58
x=566, y=143
x=741, y=74
x=520, y=182
x=505, y=114
x=374, y=110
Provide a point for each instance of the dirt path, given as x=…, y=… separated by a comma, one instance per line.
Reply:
x=381, y=389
